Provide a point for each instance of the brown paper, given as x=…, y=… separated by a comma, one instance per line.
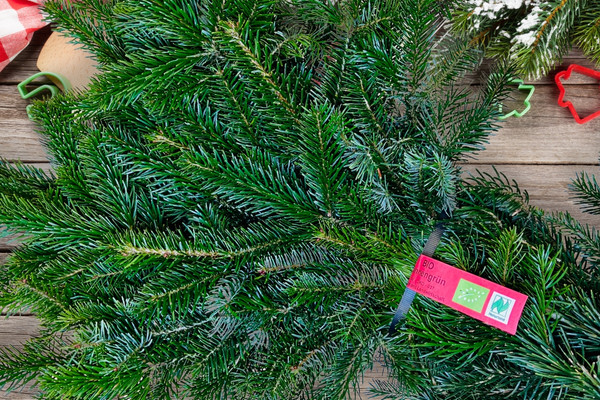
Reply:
x=62, y=57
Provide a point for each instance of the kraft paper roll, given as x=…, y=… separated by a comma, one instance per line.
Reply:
x=62, y=57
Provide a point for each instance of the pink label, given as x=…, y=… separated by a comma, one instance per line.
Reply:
x=470, y=294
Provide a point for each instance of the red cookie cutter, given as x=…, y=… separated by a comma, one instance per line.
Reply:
x=566, y=74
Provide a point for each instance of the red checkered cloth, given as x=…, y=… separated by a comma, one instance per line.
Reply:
x=18, y=20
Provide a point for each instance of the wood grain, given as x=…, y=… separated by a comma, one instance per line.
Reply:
x=547, y=134
x=547, y=185
x=15, y=331
x=27, y=393
x=575, y=56
x=18, y=137
x=542, y=151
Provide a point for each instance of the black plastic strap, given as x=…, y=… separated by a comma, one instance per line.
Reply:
x=409, y=295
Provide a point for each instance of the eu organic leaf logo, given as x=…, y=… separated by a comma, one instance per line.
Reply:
x=470, y=295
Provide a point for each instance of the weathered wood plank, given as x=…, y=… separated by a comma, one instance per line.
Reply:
x=575, y=56
x=24, y=394
x=547, y=134
x=18, y=137
x=18, y=141
x=377, y=373
x=24, y=65
x=15, y=330
x=44, y=166
x=528, y=150
x=10, y=242
x=547, y=185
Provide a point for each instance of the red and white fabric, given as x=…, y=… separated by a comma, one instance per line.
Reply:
x=18, y=20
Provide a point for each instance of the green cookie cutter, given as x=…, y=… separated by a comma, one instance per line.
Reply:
x=522, y=86
x=21, y=87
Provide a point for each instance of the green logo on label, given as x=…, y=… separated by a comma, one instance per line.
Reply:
x=500, y=305
x=470, y=295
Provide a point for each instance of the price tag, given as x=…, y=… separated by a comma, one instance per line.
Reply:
x=470, y=294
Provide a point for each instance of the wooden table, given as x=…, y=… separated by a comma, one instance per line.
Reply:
x=541, y=151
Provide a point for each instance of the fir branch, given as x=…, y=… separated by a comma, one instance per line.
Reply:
x=92, y=23
x=23, y=180
x=322, y=158
x=235, y=214
x=587, y=33
x=20, y=366
x=232, y=30
x=533, y=36
x=586, y=193
x=545, y=25
x=128, y=251
x=255, y=192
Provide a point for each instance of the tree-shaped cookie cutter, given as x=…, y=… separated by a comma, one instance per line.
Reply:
x=53, y=89
x=565, y=75
x=521, y=86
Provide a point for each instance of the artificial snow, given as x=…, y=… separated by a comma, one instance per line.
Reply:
x=526, y=30
x=492, y=8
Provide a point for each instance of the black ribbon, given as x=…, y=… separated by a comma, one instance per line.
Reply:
x=409, y=295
